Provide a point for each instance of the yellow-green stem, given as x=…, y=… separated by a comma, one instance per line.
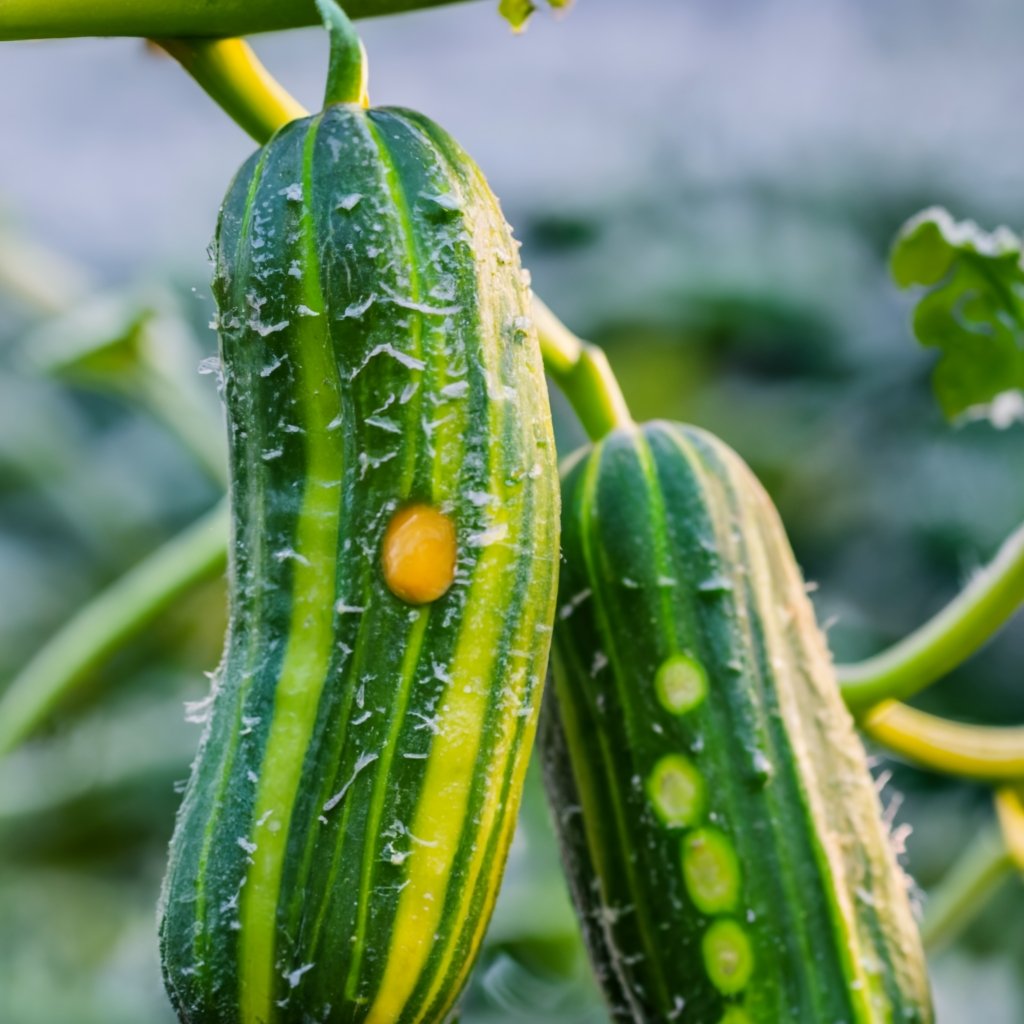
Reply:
x=582, y=372
x=108, y=620
x=972, y=880
x=231, y=74
x=48, y=19
x=1009, y=802
x=988, y=753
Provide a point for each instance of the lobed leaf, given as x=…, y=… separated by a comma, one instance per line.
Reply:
x=972, y=311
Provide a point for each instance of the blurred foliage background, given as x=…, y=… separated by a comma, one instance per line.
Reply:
x=707, y=190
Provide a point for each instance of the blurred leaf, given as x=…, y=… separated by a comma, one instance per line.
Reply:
x=973, y=311
x=516, y=12
x=42, y=280
x=78, y=949
x=136, y=344
x=96, y=790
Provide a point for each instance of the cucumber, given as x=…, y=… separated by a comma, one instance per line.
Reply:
x=392, y=570
x=718, y=821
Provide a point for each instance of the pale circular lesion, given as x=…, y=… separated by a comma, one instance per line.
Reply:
x=676, y=791
x=681, y=684
x=711, y=871
x=728, y=956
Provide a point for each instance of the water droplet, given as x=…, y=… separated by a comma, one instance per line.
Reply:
x=761, y=766
x=443, y=204
x=717, y=584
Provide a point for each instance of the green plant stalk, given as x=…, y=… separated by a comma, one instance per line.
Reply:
x=946, y=640
x=582, y=372
x=347, y=70
x=129, y=604
x=986, y=753
x=48, y=19
x=970, y=883
x=229, y=71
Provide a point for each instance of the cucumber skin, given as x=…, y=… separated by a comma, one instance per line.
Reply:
x=342, y=836
x=670, y=545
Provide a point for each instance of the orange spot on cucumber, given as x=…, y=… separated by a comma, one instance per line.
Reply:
x=418, y=555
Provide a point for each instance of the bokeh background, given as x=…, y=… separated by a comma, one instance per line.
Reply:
x=709, y=190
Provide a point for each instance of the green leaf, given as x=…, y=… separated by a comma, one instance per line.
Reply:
x=516, y=12
x=973, y=311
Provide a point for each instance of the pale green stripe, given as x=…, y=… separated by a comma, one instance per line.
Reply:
x=368, y=624
x=381, y=787
x=310, y=641
x=487, y=595
x=393, y=188
x=450, y=773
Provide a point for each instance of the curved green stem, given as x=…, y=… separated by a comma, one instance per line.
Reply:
x=946, y=640
x=582, y=373
x=347, y=71
x=48, y=19
x=982, y=752
x=105, y=623
x=232, y=75
x=969, y=884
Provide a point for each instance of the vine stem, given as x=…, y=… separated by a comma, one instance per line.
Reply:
x=583, y=374
x=347, y=70
x=49, y=19
x=1009, y=802
x=129, y=604
x=230, y=72
x=972, y=880
x=946, y=640
x=991, y=857
x=988, y=753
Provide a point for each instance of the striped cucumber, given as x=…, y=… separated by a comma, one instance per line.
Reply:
x=392, y=584
x=719, y=824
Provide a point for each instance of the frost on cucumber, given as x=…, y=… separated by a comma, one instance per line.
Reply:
x=719, y=824
x=393, y=558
